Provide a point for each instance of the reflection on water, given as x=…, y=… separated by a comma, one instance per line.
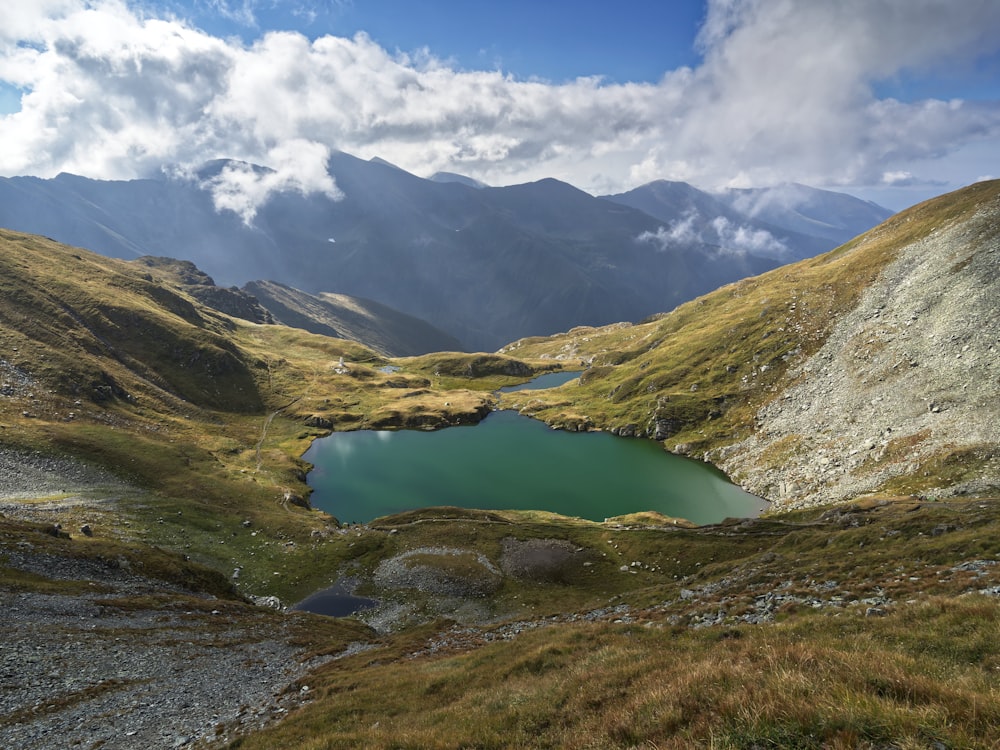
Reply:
x=513, y=462
x=335, y=601
x=548, y=380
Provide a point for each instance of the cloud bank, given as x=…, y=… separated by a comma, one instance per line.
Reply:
x=725, y=236
x=785, y=92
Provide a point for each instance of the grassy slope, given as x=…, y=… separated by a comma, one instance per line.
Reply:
x=204, y=416
x=203, y=458
x=920, y=667
x=706, y=368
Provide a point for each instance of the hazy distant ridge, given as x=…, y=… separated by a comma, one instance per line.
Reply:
x=487, y=265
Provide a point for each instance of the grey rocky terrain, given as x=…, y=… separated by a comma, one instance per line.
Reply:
x=100, y=655
x=31, y=475
x=910, y=373
x=117, y=660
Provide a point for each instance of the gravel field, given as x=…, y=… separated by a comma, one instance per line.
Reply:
x=30, y=475
x=96, y=670
x=102, y=669
x=906, y=374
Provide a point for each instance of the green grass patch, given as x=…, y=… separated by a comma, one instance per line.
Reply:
x=817, y=682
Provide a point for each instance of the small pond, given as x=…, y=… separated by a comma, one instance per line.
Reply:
x=508, y=462
x=335, y=601
x=548, y=380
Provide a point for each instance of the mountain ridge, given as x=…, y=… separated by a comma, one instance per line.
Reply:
x=386, y=331
x=898, y=325
x=792, y=222
x=799, y=207
x=637, y=631
x=487, y=265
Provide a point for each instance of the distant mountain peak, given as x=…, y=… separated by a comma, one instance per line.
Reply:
x=835, y=216
x=215, y=167
x=461, y=179
x=384, y=163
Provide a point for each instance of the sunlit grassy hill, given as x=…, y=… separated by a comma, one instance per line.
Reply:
x=98, y=329
x=203, y=415
x=885, y=347
x=174, y=432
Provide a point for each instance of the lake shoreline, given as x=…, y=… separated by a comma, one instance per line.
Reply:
x=514, y=462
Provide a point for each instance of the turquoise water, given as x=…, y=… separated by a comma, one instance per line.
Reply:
x=513, y=462
x=548, y=380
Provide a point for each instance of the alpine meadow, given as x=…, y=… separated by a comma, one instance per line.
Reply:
x=535, y=376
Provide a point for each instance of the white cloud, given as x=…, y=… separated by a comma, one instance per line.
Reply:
x=900, y=177
x=785, y=93
x=720, y=233
x=295, y=166
x=739, y=238
x=680, y=233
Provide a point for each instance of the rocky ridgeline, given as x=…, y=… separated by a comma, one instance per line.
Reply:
x=909, y=374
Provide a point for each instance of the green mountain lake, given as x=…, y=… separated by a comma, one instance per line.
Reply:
x=510, y=462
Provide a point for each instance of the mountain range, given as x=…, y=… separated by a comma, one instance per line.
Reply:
x=868, y=369
x=485, y=265
x=154, y=507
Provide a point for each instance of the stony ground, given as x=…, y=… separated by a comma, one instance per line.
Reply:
x=31, y=475
x=132, y=663
x=903, y=376
x=97, y=655
x=66, y=682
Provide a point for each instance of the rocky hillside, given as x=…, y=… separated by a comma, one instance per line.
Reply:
x=486, y=265
x=387, y=331
x=186, y=276
x=904, y=390
x=871, y=369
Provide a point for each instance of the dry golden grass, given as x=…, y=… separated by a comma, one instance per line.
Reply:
x=708, y=366
x=821, y=682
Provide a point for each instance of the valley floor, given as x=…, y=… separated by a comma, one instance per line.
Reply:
x=866, y=625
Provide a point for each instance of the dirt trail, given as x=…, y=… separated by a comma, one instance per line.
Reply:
x=267, y=424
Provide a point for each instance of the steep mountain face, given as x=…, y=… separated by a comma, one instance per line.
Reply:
x=487, y=265
x=903, y=390
x=101, y=331
x=378, y=327
x=797, y=208
x=871, y=369
x=789, y=222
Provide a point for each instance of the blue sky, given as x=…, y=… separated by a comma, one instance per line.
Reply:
x=892, y=100
x=628, y=40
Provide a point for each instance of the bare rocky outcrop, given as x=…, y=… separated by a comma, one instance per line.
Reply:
x=448, y=571
x=188, y=277
x=907, y=378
